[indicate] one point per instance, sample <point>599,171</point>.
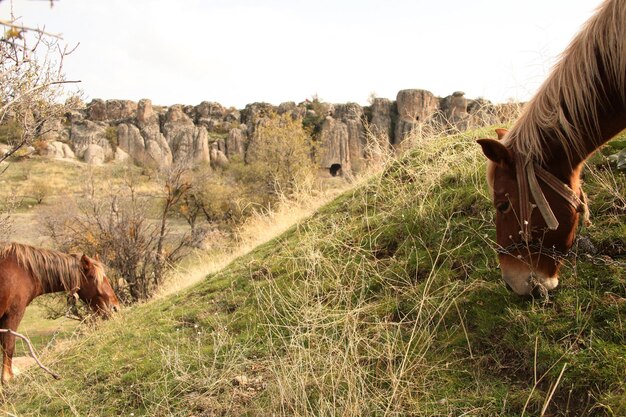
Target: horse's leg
<point>9,321</point>
<point>7,352</point>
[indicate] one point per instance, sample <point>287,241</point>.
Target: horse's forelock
<point>98,272</point>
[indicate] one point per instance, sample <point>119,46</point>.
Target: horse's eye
<point>503,207</point>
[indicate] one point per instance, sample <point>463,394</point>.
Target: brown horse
<point>27,272</point>
<point>537,164</point>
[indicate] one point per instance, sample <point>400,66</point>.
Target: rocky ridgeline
<point>210,133</point>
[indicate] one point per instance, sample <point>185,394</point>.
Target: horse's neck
<point>565,163</point>
<point>52,287</point>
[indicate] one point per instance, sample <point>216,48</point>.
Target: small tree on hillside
<point>213,198</point>
<point>280,155</point>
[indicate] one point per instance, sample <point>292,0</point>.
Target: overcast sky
<point>241,51</point>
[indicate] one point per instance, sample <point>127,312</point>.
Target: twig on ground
<point>32,351</point>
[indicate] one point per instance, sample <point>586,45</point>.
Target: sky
<point>236,52</point>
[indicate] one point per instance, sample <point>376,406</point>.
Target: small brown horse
<point>537,164</point>
<point>27,272</point>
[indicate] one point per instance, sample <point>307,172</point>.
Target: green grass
<point>41,331</point>
<point>386,302</point>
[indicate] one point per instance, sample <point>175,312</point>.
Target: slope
<point>386,302</point>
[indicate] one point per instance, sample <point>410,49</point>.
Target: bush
<point>40,190</point>
<point>280,155</point>
<point>112,137</point>
<point>123,228</point>
<point>11,133</point>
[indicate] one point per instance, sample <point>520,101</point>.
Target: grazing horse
<point>27,272</point>
<point>534,169</point>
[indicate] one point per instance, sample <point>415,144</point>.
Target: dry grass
<point>260,227</point>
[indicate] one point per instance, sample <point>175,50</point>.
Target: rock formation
<point>188,142</point>
<point>210,133</point>
<point>58,150</point>
<point>342,138</point>
<point>453,110</point>
<point>414,107</point>
<point>381,119</point>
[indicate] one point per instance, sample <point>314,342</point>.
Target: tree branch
<point>32,351</point>
<point>35,89</point>
<point>9,24</point>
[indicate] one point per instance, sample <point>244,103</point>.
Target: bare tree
<point>31,84</point>
<point>32,98</point>
<point>130,231</point>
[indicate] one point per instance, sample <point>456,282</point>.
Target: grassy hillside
<point>386,302</point>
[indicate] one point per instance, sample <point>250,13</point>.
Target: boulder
<point>94,154</point>
<point>90,133</point>
<point>146,145</point>
<point>211,116</point>
<point>158,152</point>
<point>54,130</point>
<point>351,114</point>
<point>120,155</point>
<point>295,111</point>
<point>232,117</point>
<point>209,110</point>
<point>416,105</point>
<point>254,114</point>
<point>218,159</point>
<point>75,116</point>
<point>120,109</point>
<point>255,111</point>
<point>58,150</point>
<point>131,142</point>
<point>187,142</point>
<point>235,142</point>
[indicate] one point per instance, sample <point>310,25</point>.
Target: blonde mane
<point>51,268</point>
<point>566,106</point>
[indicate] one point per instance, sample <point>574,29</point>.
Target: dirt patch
<point>22,363</point>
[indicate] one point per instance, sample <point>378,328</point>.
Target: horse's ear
<point>501,133</point>
<point>97,257</point>
<point>86,261</point>
<point>496,151</point>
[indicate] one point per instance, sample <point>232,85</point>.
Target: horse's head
<point>536,219</point>
<point>96,288</point>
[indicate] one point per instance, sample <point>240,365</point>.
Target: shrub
<point>112,137</point>
<point>280,155</point>
<point>40,190</point>
<point>123,228</point>
<point>11,133</point>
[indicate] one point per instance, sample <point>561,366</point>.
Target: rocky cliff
<point>210,133</point>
